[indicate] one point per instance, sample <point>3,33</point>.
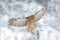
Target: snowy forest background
<point>48,27</point>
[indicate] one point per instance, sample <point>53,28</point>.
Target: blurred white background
<point>48,27</point>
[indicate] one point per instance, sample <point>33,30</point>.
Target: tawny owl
<point>29,22</point>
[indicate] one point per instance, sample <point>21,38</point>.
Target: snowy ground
<point>48,27</point>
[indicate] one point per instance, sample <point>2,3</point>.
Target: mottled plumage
<point>29,22</point>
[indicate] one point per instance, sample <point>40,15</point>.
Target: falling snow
<point>48,27</point>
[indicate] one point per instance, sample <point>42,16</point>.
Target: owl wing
<point>17,22</point>
<point>23,22</point>
<point>40,13</point>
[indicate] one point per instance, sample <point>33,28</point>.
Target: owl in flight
<point>29,22</point>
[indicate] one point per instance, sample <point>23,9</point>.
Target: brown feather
<point>30,21</point>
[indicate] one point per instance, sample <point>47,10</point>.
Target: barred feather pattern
<point>29,22</point>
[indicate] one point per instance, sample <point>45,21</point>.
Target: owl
<point>29,22</point>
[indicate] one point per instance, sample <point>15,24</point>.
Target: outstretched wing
<point>17,22</point>
<point>40,13</point>
<point>23,22</point>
